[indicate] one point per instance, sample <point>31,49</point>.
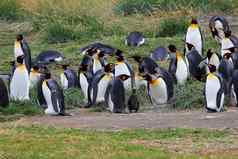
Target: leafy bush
<point>9,9</point>
<point>172,26</point>
<point>73,98</point>
<point>189,95</point>
<point>127,7</point>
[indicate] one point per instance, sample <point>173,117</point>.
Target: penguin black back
<point>4,99</point>
<point>133,102</point>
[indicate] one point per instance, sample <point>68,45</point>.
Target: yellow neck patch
<point>21,67</point>
<point>211,76</point>
<point>178,56</point>
<point>155,82</point>
<point>107,77</point>
<point>194,26</point>
<point>44,83</point>
<point>119,62</point>
<point>17,44</point>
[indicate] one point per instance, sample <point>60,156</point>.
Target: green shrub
<point>172,27</point>
<point>73,98</point>
<point>127,7</point>
<point>189,95</point>
<point>9,9</point>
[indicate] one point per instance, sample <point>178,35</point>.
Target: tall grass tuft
<point>9,10</point>
<point>128,7</point>
<point>172,27</point>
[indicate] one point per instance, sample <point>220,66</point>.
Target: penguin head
<point>123,77</point>
<point>212,68</point>
<point>64,66</point>
<point>119,56</point>
<point>83,68</point>
<point>209,53</point>
<point>47,75</point>
<point>194,23</point>
<point>19,37</point>
<point>227,56</point>
<point>137,58</point>
<point>227,34</point>
<point>20,59</point>
<point>190,46</point>
<point>35,68</point>
<point>109,67</point>
<point>100,54</point>
<point>231,49</point>
<point>147,77</point>
<point>172,48</point>
<point>91,51</point>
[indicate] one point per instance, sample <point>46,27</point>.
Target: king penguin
<point>68,78</point>
<point>194,37</point>
<point>21,47</point>
<point>99,84</point>
<point>4,99</point>
<point>178,66</point>
<point>123,67</point>
<point>53,96</point>
<point>85,78</point>
<point>235,86</point>
<point>20,82</point>
<point>34,76</point>
<point>226,43</point>
<point>214,91</point>
<point>219,26</point>
<point>115,94</point>
<point>157,89</point>
<point>98,61</point>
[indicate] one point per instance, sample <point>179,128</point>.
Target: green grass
<point>45,142</point>
<point>9,10</point>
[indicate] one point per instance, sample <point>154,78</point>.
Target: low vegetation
<point>27,142</point>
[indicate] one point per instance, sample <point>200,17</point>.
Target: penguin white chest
<point>64,81</point>
<point>194,37</point>
<point>20,84</point>
<point>96,65</point>
<point>181,71</point>
<point>18,50</point>
<point>120,69</point>
<point>47,95</point>
<point>212,87</point>
<point>84,85</point>
<point>34,78</point>
<point>158,91</point>
<point>102,86</point>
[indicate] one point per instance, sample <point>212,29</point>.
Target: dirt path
<point>106,121</point>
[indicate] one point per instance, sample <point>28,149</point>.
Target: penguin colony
<point>104,82</point>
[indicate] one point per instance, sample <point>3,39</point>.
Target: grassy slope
<point>38,142</point>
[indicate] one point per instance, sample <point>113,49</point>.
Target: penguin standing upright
<point>157,89</point>
<point>115,94</point>
<point>235,85</point>
<point>85,78</point>
<point>34,76</point>
<point>214,91</point>
<point>98,61</point>
<point>4,99</point>
<point>123,67</point>
<point>178,66</point>
<point>225,70</point>
<point>194,37</point>
<point>218,26</point>
<point>99,83</point>
<point>227,43</point>
<point>68,78</point>
<point>20,82</point>
<point>21,47</point>
<point>53,95</point>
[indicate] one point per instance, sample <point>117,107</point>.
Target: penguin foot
<point>65,114</point>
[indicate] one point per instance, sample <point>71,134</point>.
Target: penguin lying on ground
<point>219,26</point>
<point>159,54</point>
<point>4,99</point>
<point>115,94</point>
<point>20,82</point>
<point>214,91</point>
<point>177,66</point>
<point>135,39</point>
<point>99,83</point>
<point>53,95</point>
<point>49,56</point>
<point>68,78</point>
<point>194,37</point>
<point>22,48</point>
